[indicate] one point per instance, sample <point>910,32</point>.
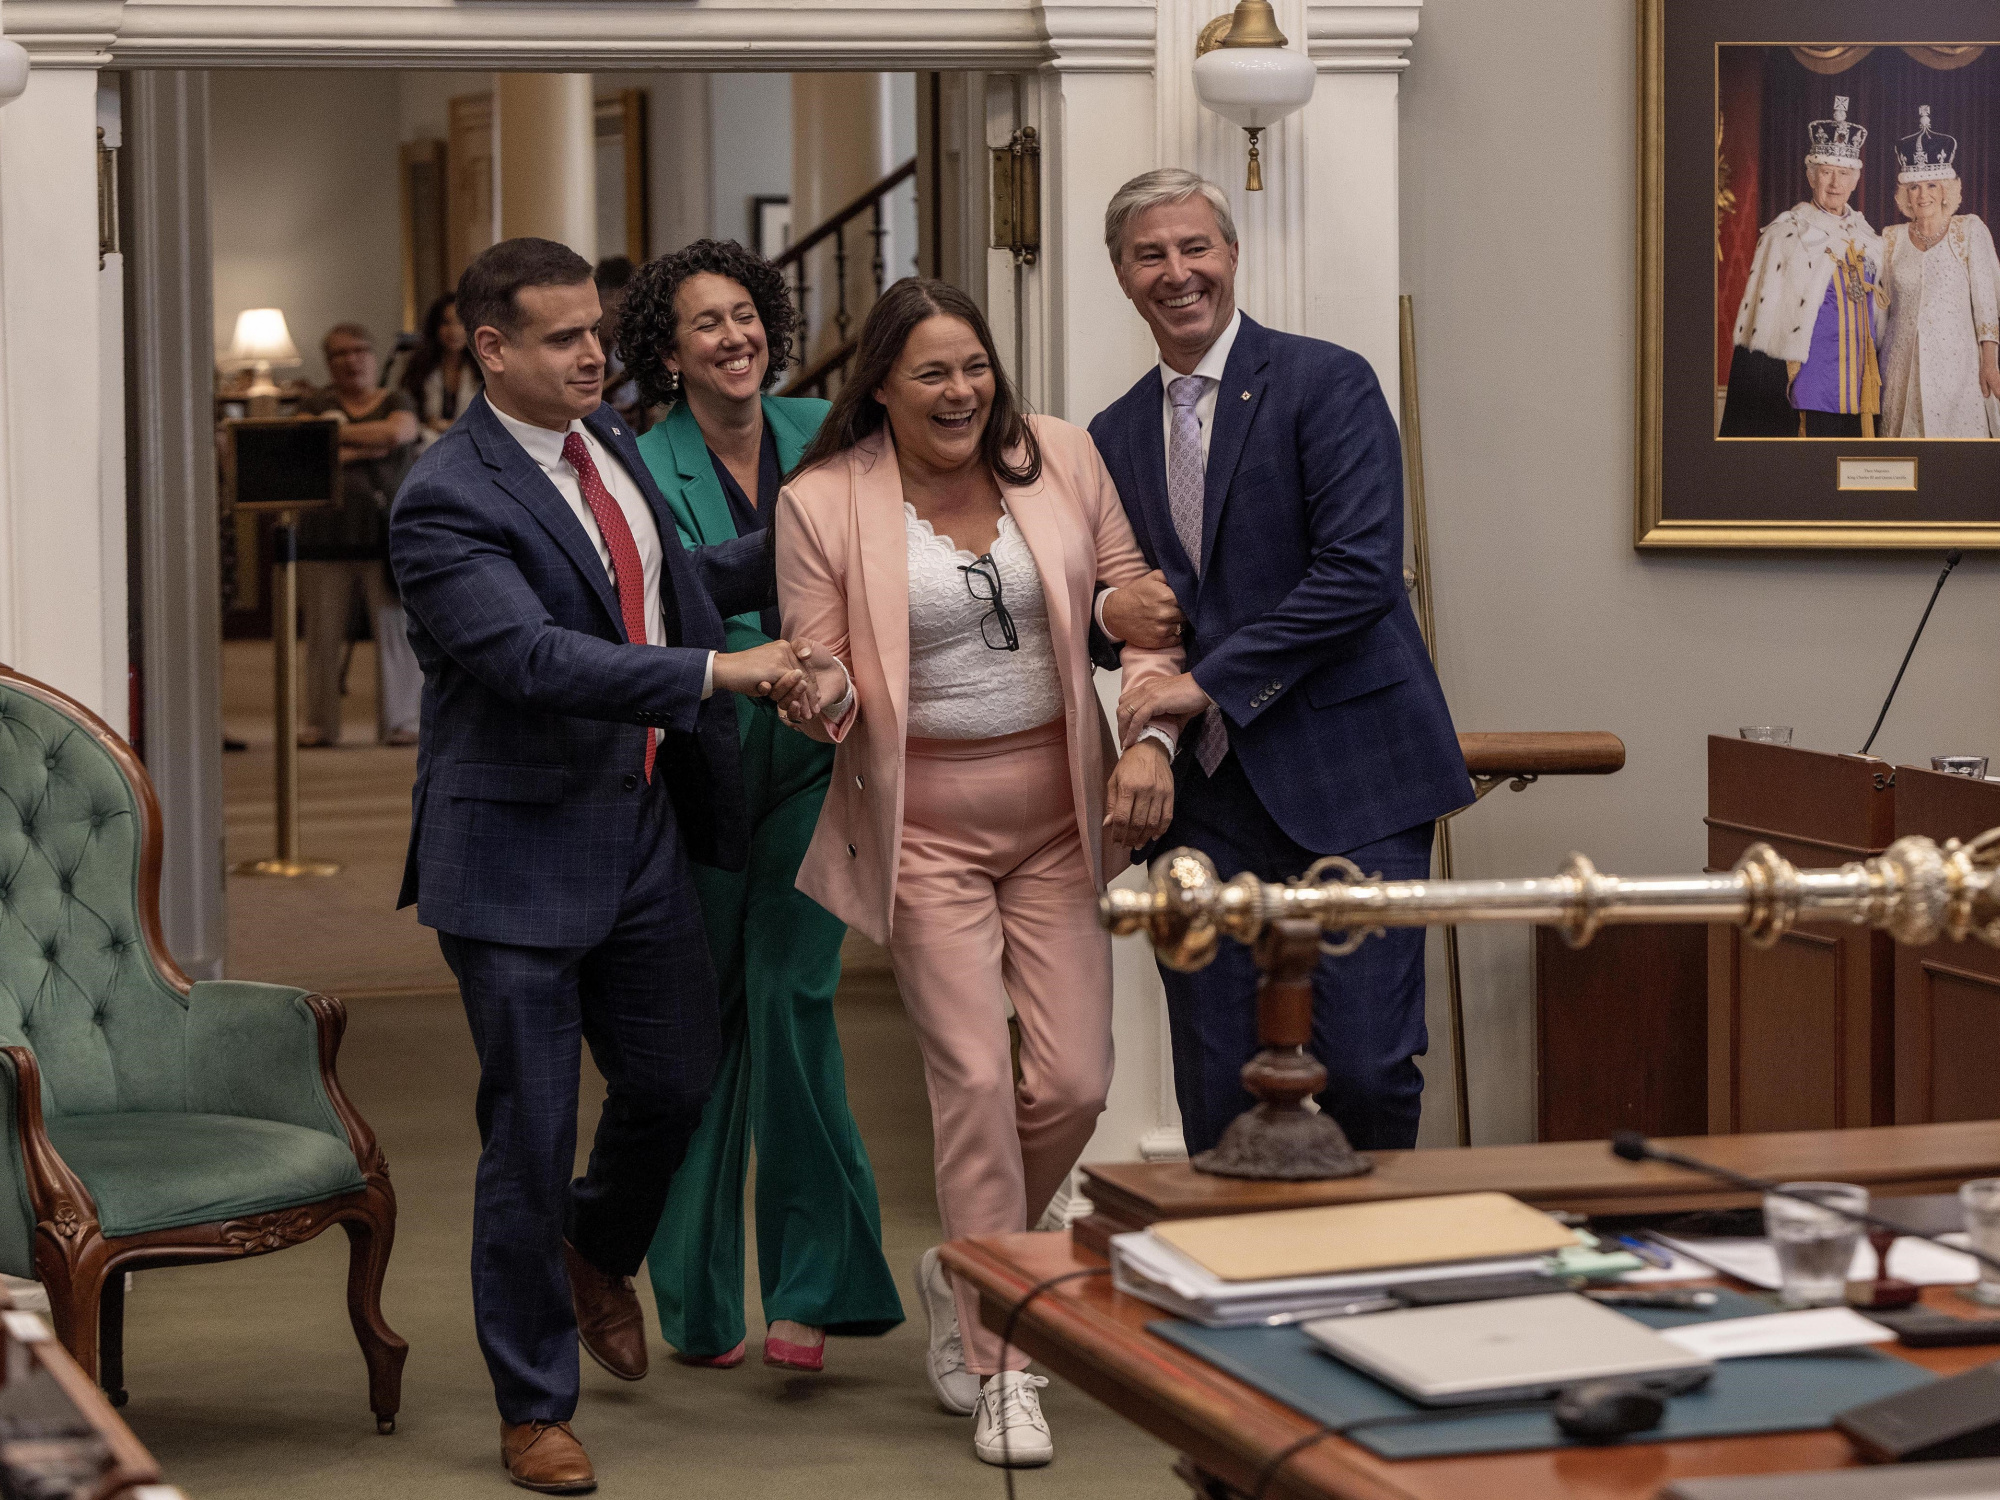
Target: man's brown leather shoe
<point>546,1456</point>
<point>608,1320</point>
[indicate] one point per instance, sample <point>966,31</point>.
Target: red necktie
<point>626,573</point>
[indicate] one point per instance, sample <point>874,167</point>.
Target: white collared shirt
<point>544,446</point>
<point>1210,370</point>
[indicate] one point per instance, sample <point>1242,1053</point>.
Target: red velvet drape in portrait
<point>1740,100</point>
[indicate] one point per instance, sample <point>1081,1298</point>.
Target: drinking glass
<point>1815,1248</point>
<point>1981,1202</point>
<point>1960,765</point>
<point>1766,734</point>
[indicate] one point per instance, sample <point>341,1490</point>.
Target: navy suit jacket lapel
<point>1236,403</point>
<point>520,476</point>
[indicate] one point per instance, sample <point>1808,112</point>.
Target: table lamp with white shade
<point>262,343</point>
<point>1245,72</point>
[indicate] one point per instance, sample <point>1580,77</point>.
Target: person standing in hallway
<point>577,751</point>
<point>343,548</point>
<point>1262,475</point>
<point>705,332</point>
<point>442,376</point>
<point>943,546</point>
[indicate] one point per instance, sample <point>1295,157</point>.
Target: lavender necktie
<point>1186,478</point>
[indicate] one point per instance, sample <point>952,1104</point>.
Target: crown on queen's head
<point>1836,142</point>
<point>1927,156</point>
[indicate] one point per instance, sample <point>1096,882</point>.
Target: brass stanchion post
<point>285,657</point>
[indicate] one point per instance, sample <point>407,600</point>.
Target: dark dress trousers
<point>555,874</point>
<point>1340,741</point>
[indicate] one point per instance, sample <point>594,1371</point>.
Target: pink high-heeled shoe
<point>728,1361</point>
<point>784,1355</point>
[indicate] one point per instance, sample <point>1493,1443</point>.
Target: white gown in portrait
<point>1941,303</point>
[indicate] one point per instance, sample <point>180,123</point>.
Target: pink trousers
<point>995,902</point>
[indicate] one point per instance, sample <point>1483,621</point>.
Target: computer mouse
<point>1599,1411</point>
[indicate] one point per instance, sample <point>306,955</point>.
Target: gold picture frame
<point>1685,493</point>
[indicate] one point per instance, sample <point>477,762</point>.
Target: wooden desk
<point>1948,994</point>
<point>1097,1340</point>
<point>1582,1176</point>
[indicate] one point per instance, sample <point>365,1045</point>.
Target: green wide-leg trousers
<point>780,1086</point>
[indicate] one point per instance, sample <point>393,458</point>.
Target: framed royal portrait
<point>1819,289</point>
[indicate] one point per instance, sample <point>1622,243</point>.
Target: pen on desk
<point>1652,1254</point>
<point>1691,1301</point>
<point>1332,1310</point>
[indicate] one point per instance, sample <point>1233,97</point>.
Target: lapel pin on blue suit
<point>1246,395</point>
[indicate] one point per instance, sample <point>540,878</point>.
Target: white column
<point>62,522</point>
<point>176,523</point>
<point>545,125</point>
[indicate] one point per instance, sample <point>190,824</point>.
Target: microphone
<point>1951,560</point>
<point>1633,1146</point>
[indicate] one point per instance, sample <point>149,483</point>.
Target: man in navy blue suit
<point>577,748</point>
<point>1263,478</point>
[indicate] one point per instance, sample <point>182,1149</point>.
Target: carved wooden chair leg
<point>369,1242</point>
<point>111,1338</point>
<point>75,1284</point>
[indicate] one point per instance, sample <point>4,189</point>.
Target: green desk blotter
<point>1781,1393</point>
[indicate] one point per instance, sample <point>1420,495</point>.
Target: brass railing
<point>815,375</point>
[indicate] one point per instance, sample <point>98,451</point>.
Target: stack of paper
<point>1280,1267</point>
<point>1756,1260</point>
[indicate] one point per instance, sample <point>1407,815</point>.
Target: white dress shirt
<point>544,446</point>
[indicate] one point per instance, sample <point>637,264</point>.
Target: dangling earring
<point>673,385</point>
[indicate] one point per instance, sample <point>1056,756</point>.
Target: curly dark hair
<point>646,325</point>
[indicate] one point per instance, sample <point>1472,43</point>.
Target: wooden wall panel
<point>1947,995</point>
<point>1620,1033</point>
<point>1800,1035</point>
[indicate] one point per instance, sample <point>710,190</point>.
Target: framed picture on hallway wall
<point>1819,287</point>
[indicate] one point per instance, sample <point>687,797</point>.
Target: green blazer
<point>677,454</point>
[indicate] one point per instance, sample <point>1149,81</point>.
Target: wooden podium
<point>1947,996</point>
<point>1800,1035</point>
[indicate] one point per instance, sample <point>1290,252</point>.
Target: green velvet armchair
<point>151,1120</point>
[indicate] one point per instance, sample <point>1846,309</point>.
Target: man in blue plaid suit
<point>578,745</point>
<point>1262,476</point>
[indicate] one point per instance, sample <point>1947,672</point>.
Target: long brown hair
<point>856,413</point>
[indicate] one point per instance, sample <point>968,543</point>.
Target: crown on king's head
<point>1836,142</point>
<point>1927,156</point>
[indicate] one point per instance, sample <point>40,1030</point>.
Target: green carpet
<point>246,1381</point>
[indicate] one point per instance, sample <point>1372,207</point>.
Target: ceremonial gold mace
<point>1914,890</point>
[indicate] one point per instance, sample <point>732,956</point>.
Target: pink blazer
<point>844,584</point>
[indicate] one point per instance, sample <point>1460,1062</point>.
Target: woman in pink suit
<point>946,548</point>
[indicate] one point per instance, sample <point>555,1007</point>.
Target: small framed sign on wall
<point>1819,289</point>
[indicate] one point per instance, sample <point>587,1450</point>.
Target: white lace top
<point>960,688</point>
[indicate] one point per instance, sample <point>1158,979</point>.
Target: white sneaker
<point>1010,1429</point>
<point>956,1388</point>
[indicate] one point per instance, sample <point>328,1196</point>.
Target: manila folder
<point>1365,1236</point>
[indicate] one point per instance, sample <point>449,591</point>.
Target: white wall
<point>1547,616</point>
<point>303,203</point>
<point>750,146</point>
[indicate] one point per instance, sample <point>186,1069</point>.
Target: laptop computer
<point>1520,1349</point>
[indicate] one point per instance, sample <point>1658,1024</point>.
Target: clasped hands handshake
<point>799,677</point>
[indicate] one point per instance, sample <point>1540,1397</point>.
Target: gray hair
<point>1163,185</point>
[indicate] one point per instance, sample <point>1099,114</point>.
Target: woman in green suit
<point>705,331</point>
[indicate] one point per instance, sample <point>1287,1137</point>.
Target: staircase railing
<point>815,376</point>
